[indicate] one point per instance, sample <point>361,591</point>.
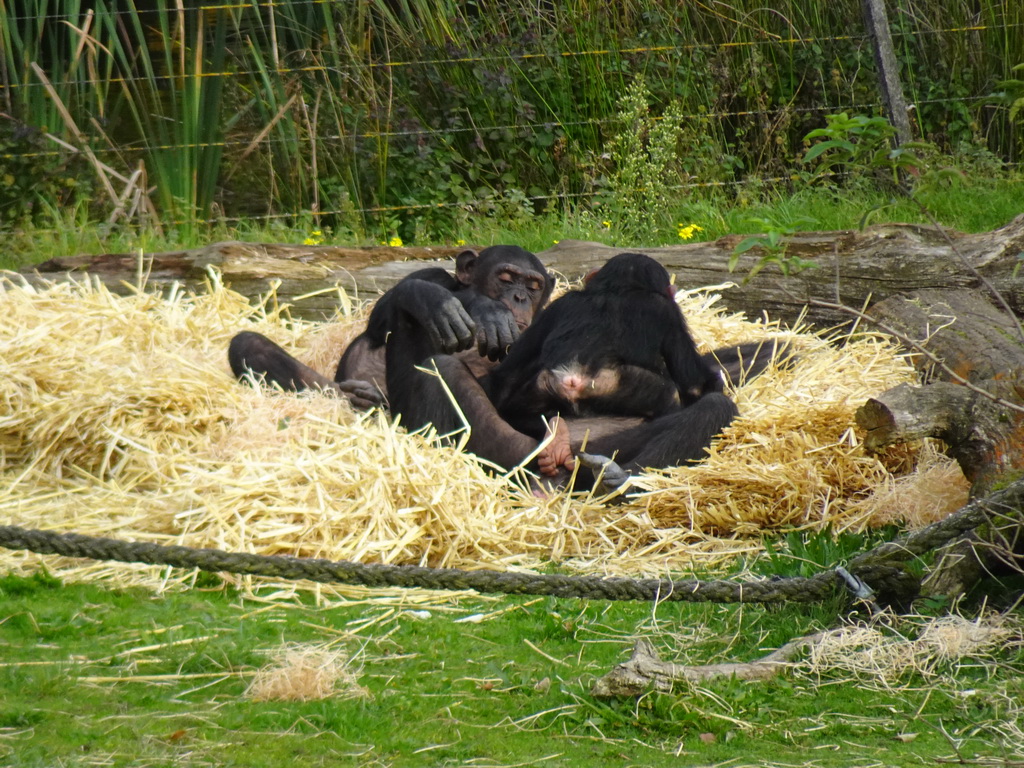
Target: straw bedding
<point>120,417</point>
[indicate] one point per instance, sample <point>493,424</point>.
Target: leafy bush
<point>36,174</point>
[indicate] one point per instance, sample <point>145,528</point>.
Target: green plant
<point>772,244</point>
<point>860,145</point>
<point>644,163</point>
<point>36,175</point>
<point>1011,97</point>
<point>434,110</point>
<point>172,100</point>
<point>848,142</point>
<point>1012,94</point>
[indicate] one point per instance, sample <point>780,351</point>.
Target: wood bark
<point>976,342</point>
<point>967,329</point>
<point>646,670</point>
<point>974,403</point>
<point>984,436</point>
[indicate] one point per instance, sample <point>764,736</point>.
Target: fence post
<point>877,22</point>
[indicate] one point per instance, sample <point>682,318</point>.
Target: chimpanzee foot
<point>611,477</point>
<point>361,394</point>
<point>556,456</point>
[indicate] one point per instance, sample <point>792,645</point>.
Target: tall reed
<point>414,115</point>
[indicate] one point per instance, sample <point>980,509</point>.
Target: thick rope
<point>275,566</point>
<point>881,568</point>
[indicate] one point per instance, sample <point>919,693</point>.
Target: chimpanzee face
<point>521,290</point>
<point>508,274</point>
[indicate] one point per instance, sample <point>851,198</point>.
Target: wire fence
<point>271,139</point>
<point>516,56</point>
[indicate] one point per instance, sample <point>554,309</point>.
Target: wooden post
<point>877,22</point>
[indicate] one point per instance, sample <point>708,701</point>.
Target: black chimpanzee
<point>491,298</point>
<point>624,331</point>
<point>619,346</point>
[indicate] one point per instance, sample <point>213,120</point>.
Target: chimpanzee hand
<point>362,394</point>
<point>496,327</point>
<point>448,325</point>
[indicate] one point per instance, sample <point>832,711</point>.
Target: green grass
<point>509,690</point>
<point>976,204</point>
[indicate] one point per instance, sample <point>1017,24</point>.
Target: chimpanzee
<point>619,346</point>
<point>491,298</point>
<point>425,316</point>
<point>625,331</point>
<point>504,284</point>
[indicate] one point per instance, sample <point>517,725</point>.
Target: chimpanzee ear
<point>590,275</point>
<point>464,263</point>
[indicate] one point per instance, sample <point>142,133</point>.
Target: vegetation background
<point>423,119</point>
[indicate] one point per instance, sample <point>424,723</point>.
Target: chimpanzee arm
<point>429,299</point>
<point>380,321</point>
<point>692,374</point>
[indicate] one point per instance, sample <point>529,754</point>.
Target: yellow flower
<point>395,242</point>
<point>687,232</point>
<point>460,241</point>
<point>606,224</point>
<point>316,237</point>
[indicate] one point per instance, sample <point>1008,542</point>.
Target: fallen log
<point>878,262</point>
<point>970,352</point>
<point>851,267</point>
<point>984,434</point>
<point>253,269</point>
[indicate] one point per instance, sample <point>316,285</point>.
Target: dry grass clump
<point>933,491</point>
<point>306,673</point>
<point>793,458</point>
<point>885,658</point>
<point>120,418</point>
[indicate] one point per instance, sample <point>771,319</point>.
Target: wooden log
<point>852,268</point>
<point>975,342</point>
<point>877,263</point>
<point>974,403</point>
<point>984,437</point>
<point>976,338</point>
<point>253,269</point>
